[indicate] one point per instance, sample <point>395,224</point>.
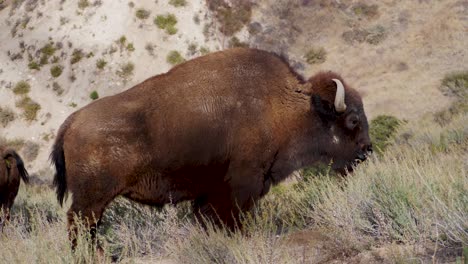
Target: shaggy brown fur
<point>11,170</point>
<point>217,130</point>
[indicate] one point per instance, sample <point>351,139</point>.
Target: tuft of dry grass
<point>29,107</point>
<point>174,58</point>
<point>316,56</point>
<point>6,116</point>
<point>142,13</point>
<point>21,88</point>
<point>126,70</point>
<point>167,22</point>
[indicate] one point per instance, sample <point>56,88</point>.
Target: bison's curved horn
<point>340,105</point>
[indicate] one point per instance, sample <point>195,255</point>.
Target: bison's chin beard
<point>345,168</point>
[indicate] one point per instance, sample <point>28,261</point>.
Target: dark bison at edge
<point>217,130</point>
<point>11,170</point>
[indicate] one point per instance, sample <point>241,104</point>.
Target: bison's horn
<point>340,105</point>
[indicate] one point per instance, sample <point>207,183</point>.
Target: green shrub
<point>231,18</point>
<point>316,56</point>
<point>204,50</point>
<point>29,107</point>
<point>382,130</point>
<point>126,70</point>
<point>177,3</point>
<point>22,87</point>
<point>33,65</point>
<point>56,71</point>
<point>130,47</point>
<point>101,63</point>
<point>48,49</point>
<point>234,42</point>
<point>166,22</point>
<point>82,4</point>
<point>142,13</point>
<point>455,85</point>
<point>6,116</point>
<point>363,9</point>
<point>94,95</point>
<point>77,55</point>
<point>57,88</point>
<point>174,58</point>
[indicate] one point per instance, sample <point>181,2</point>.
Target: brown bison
<point>218,130</point>
<point>11,170</point>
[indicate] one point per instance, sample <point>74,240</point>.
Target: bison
<point>11,170</point>
<point>218,130</point>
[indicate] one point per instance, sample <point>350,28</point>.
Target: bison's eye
<point>352,121</point>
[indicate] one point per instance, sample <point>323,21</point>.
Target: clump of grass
<point>192,49</point>
<point>316,56</point>
<point>77,55</point>
<point>48,49</point>
<point>382,131</point>
<point>33,65</point>
<point>101,63</point>
<point>374,35</point>
<point>166,22</point>
<point>56,71</point>
<point>178,3</point>
<point>231,18</point>
<point>454,85</point>
<point>204,50</point>
<point>234,42</point>
<point>150,48</point>
<point>142,13</point>
<point>22,87</point>
<point>6,116</point>
<point>57,88</point>
<point>174,58</point>
<point>30,108</point>
<point>126,70</point>
<point>94,95</point>
<point>30,151</point>
<point>82,4</point>
<point>365,10</point>
<point>130,47</point>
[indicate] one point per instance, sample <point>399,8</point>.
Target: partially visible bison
<point>218,130</point>
<point>11,170</point>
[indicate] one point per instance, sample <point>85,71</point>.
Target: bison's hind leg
<point>85,215</point>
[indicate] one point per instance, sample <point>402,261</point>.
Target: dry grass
<point>29,107</point>
<point>6,116</point>
<point>415,193</point>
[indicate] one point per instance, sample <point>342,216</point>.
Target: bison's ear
<point>324,109</point>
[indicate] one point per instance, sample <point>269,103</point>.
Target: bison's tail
<point>57,157</point>
<point>19,164</point>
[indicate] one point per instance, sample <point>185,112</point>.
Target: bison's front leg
<point>225,205</point>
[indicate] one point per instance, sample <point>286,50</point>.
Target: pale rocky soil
<point>420,42</point>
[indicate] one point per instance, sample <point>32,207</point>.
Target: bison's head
<point>345,138</point>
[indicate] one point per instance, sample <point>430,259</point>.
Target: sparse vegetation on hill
<point>142,13</point>
<point>178,3</point>
<point>316,56</point>
<point>94,95</point>
<point>22,87</point>
<point>6,116</point>
<point>29,107</point>
<point>166,22</point>
<point>174,58</point>
<point>56,71</point>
